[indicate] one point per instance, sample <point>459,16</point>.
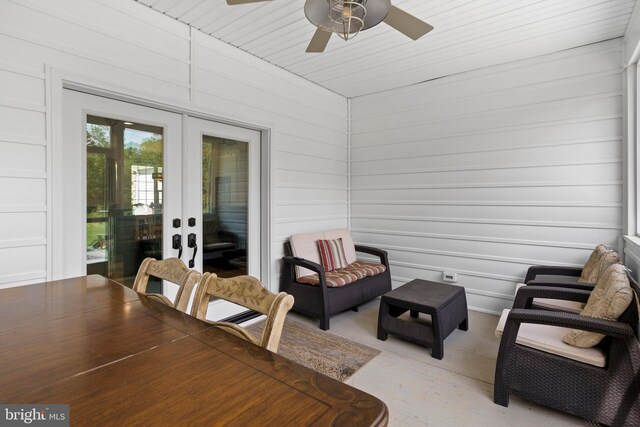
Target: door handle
<point>191,242</point>
<point>176,243</point>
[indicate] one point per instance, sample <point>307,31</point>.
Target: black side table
<point>447,305</point>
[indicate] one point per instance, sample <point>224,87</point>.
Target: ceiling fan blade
<point>235,2</point>
<point>406,23</point>
<point>319,41</point>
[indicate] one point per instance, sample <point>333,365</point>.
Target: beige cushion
<point>549,338</point>
<point>590,269</point>
<point>555,304</point>
<point>606,259</point>
<point>609,299</point>
<point>559,279</point>
<point>304,246</point>
<point>559,305</point>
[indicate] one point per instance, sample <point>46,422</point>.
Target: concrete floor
<point>422,391</point>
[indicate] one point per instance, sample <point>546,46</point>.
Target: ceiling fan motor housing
<point>346,17</point>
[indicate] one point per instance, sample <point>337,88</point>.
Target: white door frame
<point>58,79</point>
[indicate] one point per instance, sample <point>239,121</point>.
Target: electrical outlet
<point>448,276</point>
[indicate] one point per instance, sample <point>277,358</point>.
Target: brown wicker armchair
<point>608,395</point>
<point>547,275</point>
<point>569,277</point>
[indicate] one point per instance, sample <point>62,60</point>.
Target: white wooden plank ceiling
<point>468,34</point>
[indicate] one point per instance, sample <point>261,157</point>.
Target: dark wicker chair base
<point>321,302</point>
<point>609,395</point>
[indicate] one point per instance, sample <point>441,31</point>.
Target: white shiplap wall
<point>124,44</point>
<point>488,172</point>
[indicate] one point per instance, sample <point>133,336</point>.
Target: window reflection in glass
<point>124,196</point>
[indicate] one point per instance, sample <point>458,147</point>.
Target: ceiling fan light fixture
<point>346,17</point>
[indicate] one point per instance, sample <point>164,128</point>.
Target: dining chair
<point>248,292</point>
<point>172,270</point>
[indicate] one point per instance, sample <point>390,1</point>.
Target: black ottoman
<point>447,305</point>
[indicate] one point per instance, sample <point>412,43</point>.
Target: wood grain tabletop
<point>120,358</point>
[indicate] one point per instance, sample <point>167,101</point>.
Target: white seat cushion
<point>555,304</point>
<point>557,278</point>
<point>558,305</point>
<point>549,338</point>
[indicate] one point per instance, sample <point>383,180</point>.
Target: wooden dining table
<point>120,358</point>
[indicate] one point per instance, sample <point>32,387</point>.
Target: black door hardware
<point>176,243</point>
<point>191,242</point>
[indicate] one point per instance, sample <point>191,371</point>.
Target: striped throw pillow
<point>332,254</point>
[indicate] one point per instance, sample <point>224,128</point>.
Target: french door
<point>222,185</point>
<point>141,182</point>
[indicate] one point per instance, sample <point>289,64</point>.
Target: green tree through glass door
<point>124,196</point>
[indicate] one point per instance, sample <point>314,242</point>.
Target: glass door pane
<point>222,188</point>
<point>124,197</point>
<point>225,200</point>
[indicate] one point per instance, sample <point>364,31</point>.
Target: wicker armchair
<point>569,277</point>
<point>608,395</point>
<point>549,275</point>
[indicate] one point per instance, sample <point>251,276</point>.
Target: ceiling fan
<point>347,18</point>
